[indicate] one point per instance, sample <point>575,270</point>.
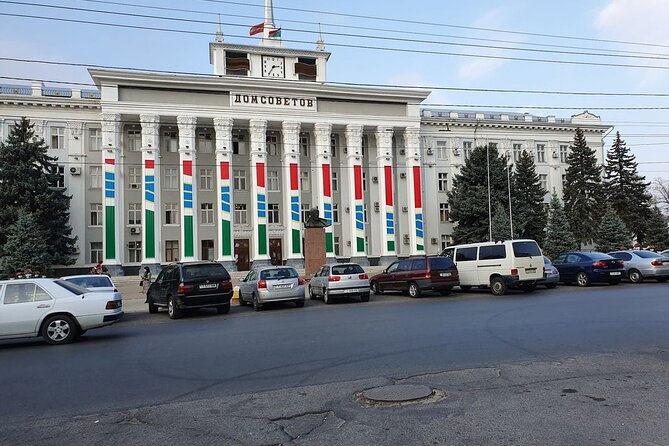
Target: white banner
<point>272,101</point>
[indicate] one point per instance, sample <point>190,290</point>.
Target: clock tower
<point>268,60</point>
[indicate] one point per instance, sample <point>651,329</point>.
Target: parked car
<point>665,253</point>
<point>182,286</point>
<point>418,274</point>
<point>57,310</point>
<point>92,282</point>
<point>551,274</point>
<point>585,268</point>
<point>641,264</point>
<point>499,265</point>
<point>271,284</point>
<point>341,280</point>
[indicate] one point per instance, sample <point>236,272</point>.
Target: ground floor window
<point>96,252</point>
<point>207,251</point>
<point>273,213</point>
<point>240,214</point>
<point>171,250</point>
<point>134,252</point>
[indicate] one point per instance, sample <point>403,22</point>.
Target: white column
<point>384,162</point>
<point>290,191</point>
<point>258,149</point>
<point>355,199</point>
<point>322,132</point>
<point>414,191</point>
<point>112,238</point>
<point>223,127</point>
<point>151,231</point>
<point>188,202</point>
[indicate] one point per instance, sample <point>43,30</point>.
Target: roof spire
<point>320,44</point>
<point>270,37</point>
<point>219,31</point>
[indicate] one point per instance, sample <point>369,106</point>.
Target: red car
<point>418,274</point>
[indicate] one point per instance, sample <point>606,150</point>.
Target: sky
<point>432,40</point>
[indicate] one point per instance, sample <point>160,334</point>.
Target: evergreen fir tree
<point>468,200</point>
<point>625,189</point>
<point>26,247</point>
<point>657,230</point>
<point>611,233</point>
<point>501,225</point>
<point>583,194</point>
<point>559,237</point>
<point>27,174</point>
<point>529,216</point>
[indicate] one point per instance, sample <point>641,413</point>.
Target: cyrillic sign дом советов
<point>272,101</point>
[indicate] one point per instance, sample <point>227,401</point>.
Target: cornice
<point>31,101</point>
<point>252,49</point>
<point>520,125</point>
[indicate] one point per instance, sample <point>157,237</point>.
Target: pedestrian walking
<point>98,268</point>
<point>145,282</point>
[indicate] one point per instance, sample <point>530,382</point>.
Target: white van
<point>499,265</point>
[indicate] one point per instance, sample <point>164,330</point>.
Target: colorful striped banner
<point>296,239</point>
<point>359,210</point>
<point>261,195</point>
<point>188,230</point>
<point>418,202</point>
<point>389,210</point>
<point>327,207</point>
<point>226,209</point>
<point>149,209</point>
<point>110,209</point>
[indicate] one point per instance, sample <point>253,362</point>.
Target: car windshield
<point>647,254</point>
<point>278,273</point>
<point>91,282</point>
<point>599,256</point>
<point>526,249</point>
<point>209,271</point>
<point>71,287</point>
<point>437,263</point>
<point>341,270</point>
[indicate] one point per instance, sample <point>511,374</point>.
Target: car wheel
<point>582,279</point>
<point>312,296</point>
<point>445,292</point>
<point>414,291</point>
<point>376,289</point>
<point>299,303</point>
<point>223,309</point>
<point>326,297</point>
<point>257,306</point>
<point>635,276</point>
<point>242,302</point>
<point>497,286</point>
<point>551,285</point>
<point>172,311</point>
<point>59,329</point>
<point>364,297</point>
<point>465,287</point>
<point>661,279</point>
<point>153,308</point>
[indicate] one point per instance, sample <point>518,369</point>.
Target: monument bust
<point>314,221</point>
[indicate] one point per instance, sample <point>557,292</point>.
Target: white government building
<point>165,167</point>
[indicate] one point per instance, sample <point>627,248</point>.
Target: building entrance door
<point>242,254</point>
<point>275,251</point>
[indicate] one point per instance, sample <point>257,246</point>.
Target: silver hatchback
<point>641,264</point>
<point>340,280</point>
<point>271,284</point>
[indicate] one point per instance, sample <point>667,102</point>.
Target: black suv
<point>191,285</point>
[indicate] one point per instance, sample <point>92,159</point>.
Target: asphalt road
<point>149,359</point>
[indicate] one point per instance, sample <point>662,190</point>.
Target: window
<point>133,140</point>
<point>135,252</point>
<point>304,180</point>
<point>20,293</point>
<point>96,214</point>
<point>493,145</point>
<point>364,214</point>
<point>207,213</point>
<point>204,142</point>
<point>419,265</point>
<point>171,141</point>
<point>304,146</point>
<point>442,182</point>
<point>517,152</point>
<point>335,212</point>
<point>171,250</point>
<point>135,177</point>
<point>564,153</point>
<point>465,254</point>
<point>135,213</point>
<point>207,179</point>
<point>239,180</point>
<point>95,177</point>
<point>526,249</point>
<point>364,181</point>
<point>273,180</point>
<point>273,213</point>
<point>443,212</point>
<point>207,251</point>
<point>171,213</point>
<point>467,149</point>
<point>238,144</point>
<point>564,180</point>
<point>541,153</point>
<point>95,139</point>
<point>96,252</point>
<point>304,207</point>
<point>492,252</point>
<point>57,137</point>
<point>363,145</point>
<point>335,181</point>
<point>171,180</point>
<point>59,177</point>
<point>272,145</point>
<point>240,214</point>
<point>333,145</point>
<point>442,150</point>
<point>543,181</point>
<point>444,241</point>
<point>336,246</point>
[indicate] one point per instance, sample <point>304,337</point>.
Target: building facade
<point>165,168</point>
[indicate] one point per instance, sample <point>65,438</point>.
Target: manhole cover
<point>397,393</point>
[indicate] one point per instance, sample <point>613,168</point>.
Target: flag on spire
<point>275,33</point>
<point>257,29</point>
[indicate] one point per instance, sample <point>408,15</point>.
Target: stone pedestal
<point>314,250</point>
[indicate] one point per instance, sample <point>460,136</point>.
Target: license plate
<point>351,291</point>
<point>209,286</point>
<point>530,270</point>
<point>444,274</point>
<point>616,273</point>
<point>282,286</point>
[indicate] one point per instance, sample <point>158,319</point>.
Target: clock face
<point>273,66</point>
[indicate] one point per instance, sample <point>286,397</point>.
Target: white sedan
<point>57,310</point>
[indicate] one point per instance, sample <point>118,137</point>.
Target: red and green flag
<point>257,29</point>
<point>275,32</point>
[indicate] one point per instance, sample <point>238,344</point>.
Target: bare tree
<point>661,193</point>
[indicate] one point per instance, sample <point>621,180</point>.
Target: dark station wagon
<point>418,274</point>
